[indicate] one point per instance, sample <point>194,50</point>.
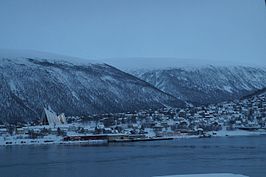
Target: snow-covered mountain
<point>156,63</point>
<point>206,84</point>
<point>256,93</point>
<point>29,81</point>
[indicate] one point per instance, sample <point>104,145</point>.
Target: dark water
<point>244,155</point>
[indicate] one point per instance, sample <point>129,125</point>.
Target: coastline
<point>207,175</point>
<point>52,139</point>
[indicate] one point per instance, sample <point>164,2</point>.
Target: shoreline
<point>56,140</point>
<point>207,175</point>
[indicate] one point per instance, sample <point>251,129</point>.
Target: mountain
<point>30,81</point>
<point>206,84</point>
<point>162,63</point>
<point>255,93</point>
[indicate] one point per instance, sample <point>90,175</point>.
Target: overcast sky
<point>229,30</point>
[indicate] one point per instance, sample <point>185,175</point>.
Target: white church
<point>50,117</point>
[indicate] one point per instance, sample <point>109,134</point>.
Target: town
<point>239,117</point>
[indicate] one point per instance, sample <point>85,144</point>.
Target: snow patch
<point>108,78</point>
<point>228,89</point>
<point>13,86</point>
<point>74,94</point>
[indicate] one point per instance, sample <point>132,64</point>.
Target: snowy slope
<point>206,84</point>
<point>30,81</point>
<point>259,92</point>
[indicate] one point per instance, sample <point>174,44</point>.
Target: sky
<point>211,30</point>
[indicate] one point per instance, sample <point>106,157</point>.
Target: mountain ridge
<point>153,63</point>
<point>27,85</point>
<point>208,84</point>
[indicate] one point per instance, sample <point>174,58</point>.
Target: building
<point>49,117</point>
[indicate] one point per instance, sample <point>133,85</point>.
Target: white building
<point>52,119</point>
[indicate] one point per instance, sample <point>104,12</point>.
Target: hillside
<point>206,84</point>
<point>28,84</point>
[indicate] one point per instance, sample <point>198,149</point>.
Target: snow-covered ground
<point>50,139</point>
<point>239,133</point>
<point>223,133</point>
<point>207,175</point>
<point>24,140</point>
